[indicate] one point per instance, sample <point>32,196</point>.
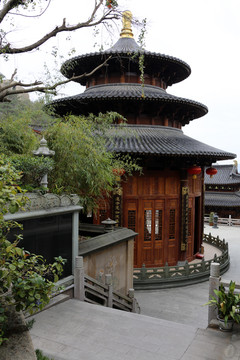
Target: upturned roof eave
<point>162,141</point>
<point>83,61</point>
<point>190,154</point>
<point>107,93</point>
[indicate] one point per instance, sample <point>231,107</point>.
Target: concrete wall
<point>115,259</point>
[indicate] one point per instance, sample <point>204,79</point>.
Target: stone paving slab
<point>76,330</point>
<point>79,331</point>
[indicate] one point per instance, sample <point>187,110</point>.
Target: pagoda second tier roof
<point>162,141</point>
<point>111,93</point>
<point>172,69</point>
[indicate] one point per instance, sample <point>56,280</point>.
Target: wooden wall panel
<point>130,220</point>
<point>172,185</point>
<point>130,186</point>
<point>172,231</point>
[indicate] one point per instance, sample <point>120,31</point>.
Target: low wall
<point>110,253</point>
<point>185,274</point>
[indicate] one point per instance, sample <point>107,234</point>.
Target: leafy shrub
<point>32,168</point>
<point>24,277</point>
<point>40,355</point>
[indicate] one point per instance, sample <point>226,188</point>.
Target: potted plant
<point>211,215</point>
<point>228,305</point>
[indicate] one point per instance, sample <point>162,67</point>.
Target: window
<point>158,224</point>
<point>132,219</point>
<point>147,225</point>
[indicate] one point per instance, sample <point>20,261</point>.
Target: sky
<point>205,34</point>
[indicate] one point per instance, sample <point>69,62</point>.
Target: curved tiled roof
<point>127,48</point>
<point>113,92</point>
<point>225,199</point>
<point>161,141</point>
<point>226,175</point>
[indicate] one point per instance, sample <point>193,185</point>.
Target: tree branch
<point>11,4</point>
<point>109,15</point>
<point>11,87</point>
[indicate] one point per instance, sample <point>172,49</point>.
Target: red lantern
<point>118,172</point>
<point>211,171</point>
<point>194,171</point>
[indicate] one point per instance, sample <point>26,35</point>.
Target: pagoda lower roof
<point>223,199</point>
<point>162,141</point>
<point>128,92</point>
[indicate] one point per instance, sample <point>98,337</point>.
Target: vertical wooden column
<point>183,215</point>
<point>202,207</point>
<point>117,203</point>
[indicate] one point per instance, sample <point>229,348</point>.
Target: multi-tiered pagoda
<point>164,205</point>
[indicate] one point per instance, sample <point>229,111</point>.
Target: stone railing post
<point>214,282</point>
<point>134,301</point>
<point>79,290</point>
<point>166,271</point>
<point>143,272</point>
<point>108,282</point>
<point>229,220</point>
<point>186,266</point>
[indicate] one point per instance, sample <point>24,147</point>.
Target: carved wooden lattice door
<point>158,233</point>
<point>152,232</point>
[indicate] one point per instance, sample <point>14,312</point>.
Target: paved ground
<point>184,305</point>
<point>175,330</point>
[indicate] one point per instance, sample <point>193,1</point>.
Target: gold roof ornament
<point>127,25</point>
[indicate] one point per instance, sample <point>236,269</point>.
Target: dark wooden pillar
<point>184,192</point>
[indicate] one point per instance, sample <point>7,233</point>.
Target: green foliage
<point>40,355</point>
<point>82,163</point>
<point>16,121</point>
<point>32,168</point>
<point>16,135</point>
<point>26,280</point>
<point>227,303</point>
<point>8,190</point>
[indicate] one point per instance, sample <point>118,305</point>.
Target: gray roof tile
<point>226,199</point>
<point>130,92</point>
<point>126,48</point>
<point>226,175</point>
<point>161,141</point>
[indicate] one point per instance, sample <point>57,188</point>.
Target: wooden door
<point>152,233</point>
<point>156,223</point>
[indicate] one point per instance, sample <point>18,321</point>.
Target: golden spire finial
<point>127,25</point>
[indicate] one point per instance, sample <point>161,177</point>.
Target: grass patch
<point>40,355</point>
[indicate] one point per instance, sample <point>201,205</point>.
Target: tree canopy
<point>103,11</point>
<point>81,163</point>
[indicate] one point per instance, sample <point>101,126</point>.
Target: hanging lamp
<point>194,171</point>
<point>211,171</point>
